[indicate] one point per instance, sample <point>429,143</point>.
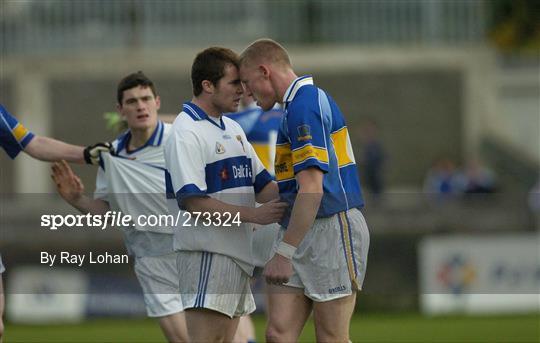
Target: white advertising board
<point>480,274</point>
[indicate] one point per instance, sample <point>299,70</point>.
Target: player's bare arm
<point>268,213</point>
<point>269,192</point>
<point>71,189</point>
<point>49,149</point>
<point>279,269</point>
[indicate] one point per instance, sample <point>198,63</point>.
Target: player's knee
<point>331,336</point>
<point>274,334</point>
<point>177,338</point>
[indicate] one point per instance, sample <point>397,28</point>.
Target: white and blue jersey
<point>134,182</point>
<point>206,156</point>
<point>14,137</point>
<point>261,130</point>
<point>313,134</point>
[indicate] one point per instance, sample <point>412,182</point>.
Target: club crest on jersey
<point>224,174</point>
<point>304,133</point>
<point>220,149</point>
<point>239,138</point>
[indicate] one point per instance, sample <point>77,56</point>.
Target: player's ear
<point>207,86</point>
<point>264,70</point>
<point>158,102</point>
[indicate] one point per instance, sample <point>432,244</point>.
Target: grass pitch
<point>364,328</point>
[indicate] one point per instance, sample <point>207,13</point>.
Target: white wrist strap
<point>286,250</point>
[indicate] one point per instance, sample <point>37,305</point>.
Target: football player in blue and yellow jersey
<point>321,252</point>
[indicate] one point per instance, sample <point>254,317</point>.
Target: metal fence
<point>55,26</point>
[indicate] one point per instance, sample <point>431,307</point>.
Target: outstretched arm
<point>268,213</point>
<point>49,149</point>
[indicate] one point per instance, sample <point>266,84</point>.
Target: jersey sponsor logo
<point>226,137</point>
<point>220,149</point>
<point>284,162</point>
<point>282,168</point>
<point>304,133</point>
<point>239,138</point>
<point>242,171</point>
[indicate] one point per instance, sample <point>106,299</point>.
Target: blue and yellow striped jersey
<point>261,130</point>
<point>313,133</point>
<point>14,137</point>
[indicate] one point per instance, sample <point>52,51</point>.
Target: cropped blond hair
<point>265,50</point>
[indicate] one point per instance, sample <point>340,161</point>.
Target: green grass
<point>364,328</point>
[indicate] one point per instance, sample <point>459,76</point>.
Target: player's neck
<point>140,137</point>
<point>283,82</point>
<point>207,107</point>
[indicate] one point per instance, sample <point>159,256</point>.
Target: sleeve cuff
<point>188,191</point>
<point>261,180</point>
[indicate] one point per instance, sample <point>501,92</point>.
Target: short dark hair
<point>131,81</point>
<point>210,64</point>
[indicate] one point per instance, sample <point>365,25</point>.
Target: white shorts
<point>262,243</point>
<point>331,260</point>
<point>215,282</point>
<point>159,279</point>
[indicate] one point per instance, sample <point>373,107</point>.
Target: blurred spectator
<point>476,178</point>
<point>534,198</point>
<point>442,177</point>
<point>373,158</point>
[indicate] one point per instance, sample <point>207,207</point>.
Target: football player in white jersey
<point>140,154</point>
<point>215,170</point>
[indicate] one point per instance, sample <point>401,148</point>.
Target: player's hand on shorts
<point>69,185</point>
<point>270,212</point>
<point>278,270</point>
<point>92,152</point>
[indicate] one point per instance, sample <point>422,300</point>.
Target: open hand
<point>68,185</point>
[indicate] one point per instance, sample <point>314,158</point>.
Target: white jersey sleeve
<point>102,186</point>
<point>185,164</point>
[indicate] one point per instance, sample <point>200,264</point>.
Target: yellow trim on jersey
<point>284,166</point>
<point>263,152</point>
<point>347,247</point>
<point>342,146</point>
<point>309,151</point>
<point>19,132</point>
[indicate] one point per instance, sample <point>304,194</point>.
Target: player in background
<point>140,162</point>
<point>321,253</point>
<point>214,169</point>
<point>14,138</point>
<point>261,128</point>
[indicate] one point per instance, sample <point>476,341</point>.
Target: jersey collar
<point>154,140</point>
<point>295,86</point>
<point>196,113</point>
